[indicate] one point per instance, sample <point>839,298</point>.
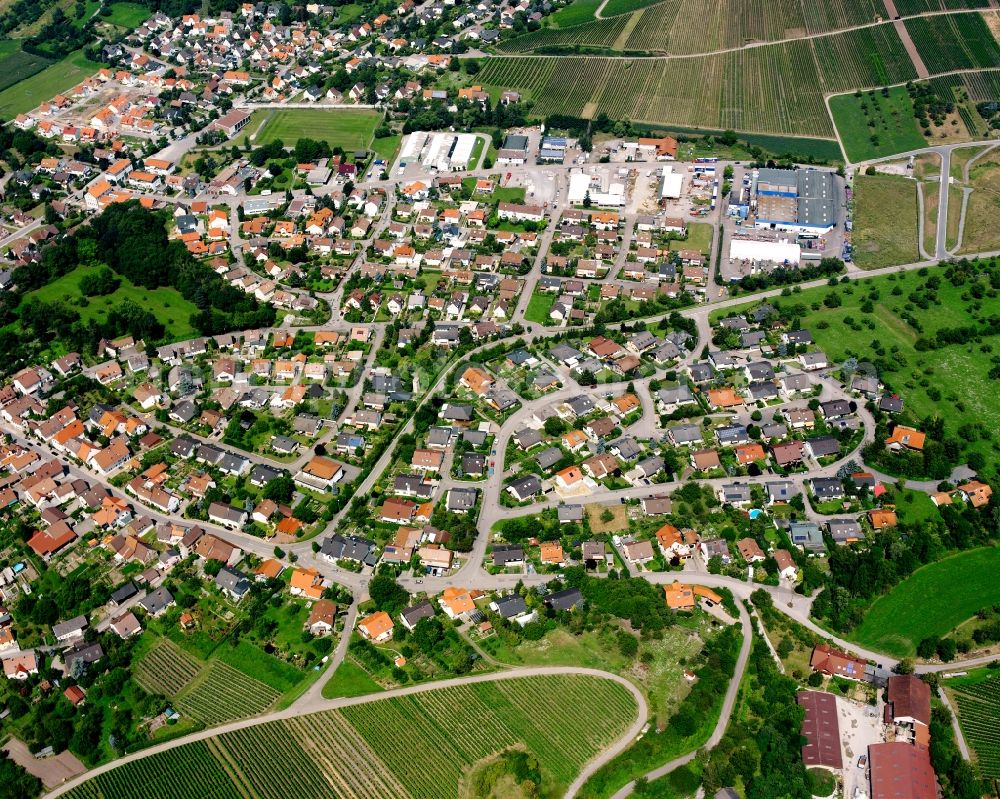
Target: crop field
<point>16,65</point>
<point>58,77</point>
<point>836,14</point>
<point>166,669</point>
<point>961,585</point>
<point>599,33</point>
<point>351,129</point>
<point>615,7</point>
<point>576,13</point>
<point>762,90</point>
<point>184,772</point>
<point>955,41</point>
<point>356,753</point>
<point>978,711</point>
<point>865,57</point>
<point>223,694</point>
<point>907,7</point>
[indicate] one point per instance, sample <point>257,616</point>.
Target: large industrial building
<point>445,152</point>
<point>803,201</point>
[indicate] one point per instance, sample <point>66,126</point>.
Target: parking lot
<point>860,726</point>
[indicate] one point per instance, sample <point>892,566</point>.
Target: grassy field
<point>538,308</point>
<point>165,303</point>
<point>661,679</point>
<point>699,238</point>
<point>933,601</point>
<point>365,750</point>
<point>128,15</point>
<point>895,130</point>
<point>348,128</point>
<point>981,233</point>
<point>28,93</point>
<point>978,701</point>
<point>885,221</point>
<point>350,680</point>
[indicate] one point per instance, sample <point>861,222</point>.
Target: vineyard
<point>599,33</point>
<point>166,669</point>
<point>615,7</point>
<point>363,751</point>
<point>832,15</point>
<point>978,711</point>
<point>224,694</point>
<point>180,773</point>
<point>907,7</point>
<point>763,90</point>
<point>955,41</point>
<point>865,57</point>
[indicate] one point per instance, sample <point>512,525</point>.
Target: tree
<point>554,426</point>
<point>628,644</point>
<point>280,489</point>
<point>387,594</point>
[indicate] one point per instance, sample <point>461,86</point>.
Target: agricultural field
<point>960,584</point>
<point>885,221</point>
<point>17,65</point>
<point>837,14</point>
<point>598,33</point>
<point>221,694</point>
<point>179,773</point>
<point>58,77</point>
<point>978,710</point>
<point>165,303</point>
<point>355,753</point>
<point>908,7</point>
<point>166,669</point>
<point>954,41</point>
<point>865,57</point>
<point>876,124</point>
<point>763,90</point>
<point>615,7</point>
<point>576,13</point>
<point>351,129</point>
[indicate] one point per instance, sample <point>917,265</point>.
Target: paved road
<point>320,704</point>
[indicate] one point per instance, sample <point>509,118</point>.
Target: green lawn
<point>895,128</point>
<point>885,221</point>
<point>349,13</point>
<point>348,128</point>
<point>165,303</point>
<point>256,663</point>
<point>538,308</point>
<point>386,149</point>
<point>699,238</point>
<point>28,93</point>
<point>350,680</point>
<point>128,15</point>
<point>931,602</point>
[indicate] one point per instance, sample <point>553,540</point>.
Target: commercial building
<point>798,200</point>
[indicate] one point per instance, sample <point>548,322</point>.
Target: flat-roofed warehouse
<point>821,729</point>
<point>801,200</point>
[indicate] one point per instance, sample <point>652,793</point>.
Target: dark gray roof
<point>567,599</point>
<point>511,606</point>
